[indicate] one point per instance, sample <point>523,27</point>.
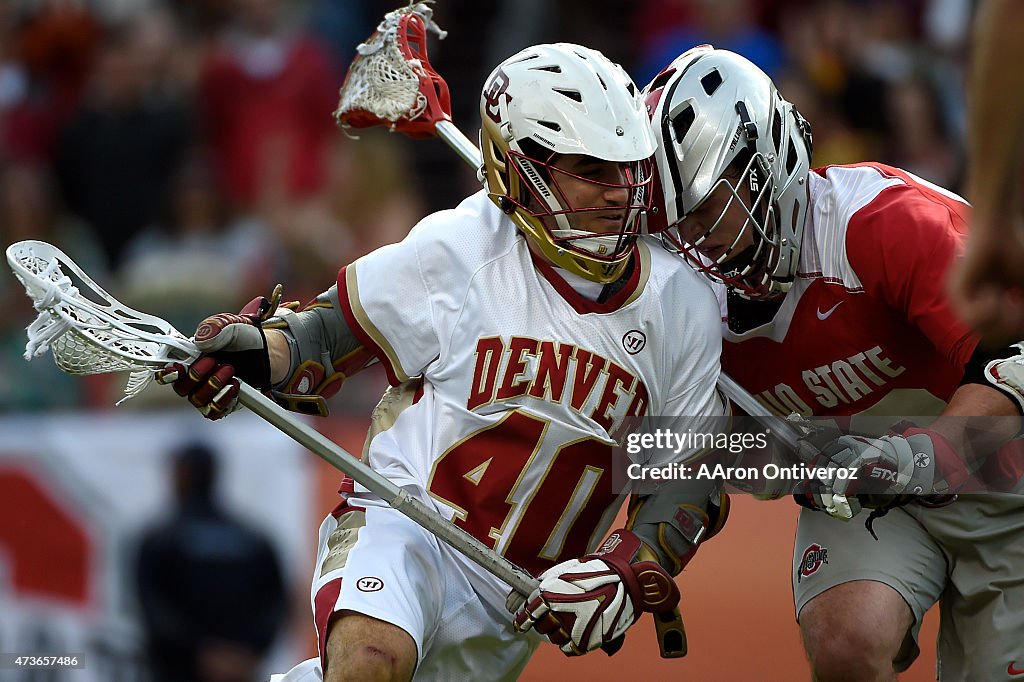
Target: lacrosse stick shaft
<point>783,430</point>
<point>462,145</point>
<point>397,498</point>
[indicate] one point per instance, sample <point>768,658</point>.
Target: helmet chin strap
<point>597,244</point>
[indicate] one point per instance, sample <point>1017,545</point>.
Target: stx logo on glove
<point>883,474</point>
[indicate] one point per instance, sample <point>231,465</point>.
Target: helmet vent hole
<point>551,125</point>
<point>682,122</point>
<point>631,89</point>
<point>711,81</point>
<point>790,157</point>
<point>523,59</point>
<point>571,94</point>
<point>552,68</point>
<point>777,130</point>
<point>661,79</point>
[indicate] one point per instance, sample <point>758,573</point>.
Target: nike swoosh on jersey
<point>1013,672</point>
<point>824,315</point>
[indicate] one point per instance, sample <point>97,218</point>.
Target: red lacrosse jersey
<point>867,328</point>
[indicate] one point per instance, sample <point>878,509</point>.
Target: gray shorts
<point>969,556</point>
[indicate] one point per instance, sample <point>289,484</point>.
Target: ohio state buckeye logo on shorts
<point>814,556</point>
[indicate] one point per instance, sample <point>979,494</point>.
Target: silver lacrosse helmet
<point>549,101</point>
<point>723,129</point>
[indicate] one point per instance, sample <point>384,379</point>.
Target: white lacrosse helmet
<point>715,114</point>
<point>551,100</point>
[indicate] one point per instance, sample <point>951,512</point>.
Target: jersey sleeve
<point>901,245</point>
<point>388,304</point>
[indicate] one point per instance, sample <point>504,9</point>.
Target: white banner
<point>75,492</point>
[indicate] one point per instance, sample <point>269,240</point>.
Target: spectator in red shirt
<point>266,93</point>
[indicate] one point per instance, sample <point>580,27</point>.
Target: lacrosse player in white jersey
<point>522,332</point>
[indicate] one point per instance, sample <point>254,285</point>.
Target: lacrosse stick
<point>392,83</point>
<point>88,331</point>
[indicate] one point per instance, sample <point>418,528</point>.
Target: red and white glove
<point>590,602</point>
<point>885,471</point>
<point>233,345</point>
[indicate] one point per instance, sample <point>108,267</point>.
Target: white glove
<point>586,603</point>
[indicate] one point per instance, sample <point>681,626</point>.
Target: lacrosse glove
<point>883,473</point>
<point>590,602</point>
<point>234,347</point>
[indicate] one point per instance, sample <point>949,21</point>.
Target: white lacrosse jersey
<point>525,384</point>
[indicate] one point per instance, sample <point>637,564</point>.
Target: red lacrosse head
<point>411,40</point>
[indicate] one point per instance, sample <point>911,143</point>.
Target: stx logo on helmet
<point>814,556</point>
<point>492,95</point>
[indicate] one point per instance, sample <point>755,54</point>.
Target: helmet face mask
<point>559,212</point>
<point>567,150</point>
<point>733,170</point>
<point>741,239</point>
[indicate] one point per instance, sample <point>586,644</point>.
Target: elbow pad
<point>324,352</point>
<point>675,521</point>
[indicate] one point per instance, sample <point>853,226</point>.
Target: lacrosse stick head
<point>86,329</point>
<point>391,81</point>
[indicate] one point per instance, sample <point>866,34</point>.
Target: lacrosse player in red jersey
<point>832,286</point>
<point>522,333</point>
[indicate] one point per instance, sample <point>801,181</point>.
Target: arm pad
<point>673,522</point>
<point>324,352</point>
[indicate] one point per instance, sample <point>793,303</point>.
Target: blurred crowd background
<point>184,153</point>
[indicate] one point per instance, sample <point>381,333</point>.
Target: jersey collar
<point>639,273</point>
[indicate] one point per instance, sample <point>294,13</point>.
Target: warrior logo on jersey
<point>492,95</point>
<point>814,556</point>
<point>634,341</point>
<point>370,584</point>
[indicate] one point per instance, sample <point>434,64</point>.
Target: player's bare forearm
<point>280,356</point>
<point>996,107</point>
<point>977,400</point>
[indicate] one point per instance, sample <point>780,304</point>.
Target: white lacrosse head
<point>88,330</point>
